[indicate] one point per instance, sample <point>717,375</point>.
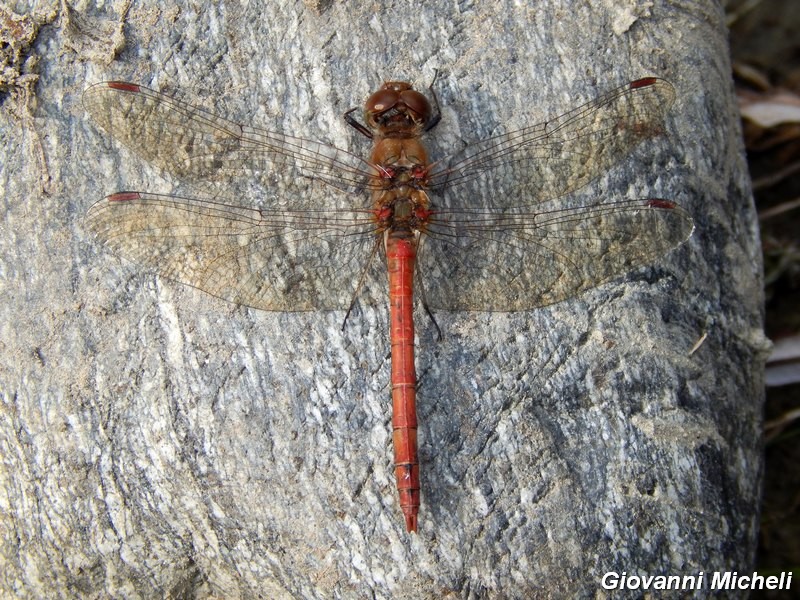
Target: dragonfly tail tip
<point>411,523</point>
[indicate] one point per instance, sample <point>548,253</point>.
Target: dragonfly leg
<point>424,301</point>
<point>439,336</point>
<point>437,112</point>
<point>361,279</point>
<point>353,122</point>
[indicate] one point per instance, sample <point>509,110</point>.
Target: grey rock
<point>158,442</point>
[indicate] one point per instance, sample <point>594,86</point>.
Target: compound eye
<point>381,101</point>
<point>417,103</point>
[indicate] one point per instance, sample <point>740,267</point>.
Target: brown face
<point>396,107</point>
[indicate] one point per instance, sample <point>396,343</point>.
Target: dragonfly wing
<point>271,260</point>
<point>552,158</point>
<point>192,143</point>
<point>518,261</point>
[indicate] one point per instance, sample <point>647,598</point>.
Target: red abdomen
<point>400,254</point>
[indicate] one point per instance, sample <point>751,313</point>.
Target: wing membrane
<point>194,144</point>
<point>518,261</point>
<point>271,260</point>
<point>552,158</point>
<point>492,244</point>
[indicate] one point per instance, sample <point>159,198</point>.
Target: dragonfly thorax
<point>403,211</point>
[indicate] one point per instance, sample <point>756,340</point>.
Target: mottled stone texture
<point>159,442</point>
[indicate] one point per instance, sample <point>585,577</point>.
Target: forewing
<point>548,160</point>
<point>518,261</point>
<point>194,144</point>
<point>271,260</point>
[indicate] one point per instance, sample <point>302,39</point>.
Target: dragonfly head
<point>397,110</point>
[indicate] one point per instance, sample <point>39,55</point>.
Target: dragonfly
<point>489,228</point>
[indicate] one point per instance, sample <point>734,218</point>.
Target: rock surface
<point>160,442</point>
